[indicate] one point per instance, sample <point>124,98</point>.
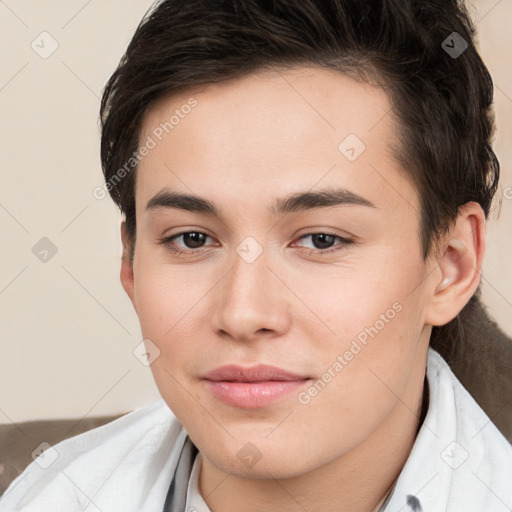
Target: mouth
<point>253,387</point>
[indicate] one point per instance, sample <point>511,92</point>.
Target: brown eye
<point>323,240</point>
<point>187,242</point>
<point>193,239</point>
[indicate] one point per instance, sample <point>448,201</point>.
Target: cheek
<point>166,304</point>
<point>165,298</point>
<point>167,308</point>
<point>367,299</point>
<point>377,320</point>
<point>361,380</point>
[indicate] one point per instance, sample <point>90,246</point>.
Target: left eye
<point>323,241</point>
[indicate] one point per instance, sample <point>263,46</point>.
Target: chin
<point>261,458</point>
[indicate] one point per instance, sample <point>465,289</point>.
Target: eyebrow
<point>299,201</point>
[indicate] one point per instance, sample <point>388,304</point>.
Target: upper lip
<point>258,373</point>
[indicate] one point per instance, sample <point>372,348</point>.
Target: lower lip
<point>252,395</point>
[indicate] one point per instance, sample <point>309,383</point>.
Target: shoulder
<point>457,409</point>
<point>450,393</point>
<point>99,464</point>
<point>473,454</point>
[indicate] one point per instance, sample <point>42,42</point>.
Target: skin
<point>248,142</point>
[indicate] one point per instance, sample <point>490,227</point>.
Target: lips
<point>259,373</point>
<point>250,388</point>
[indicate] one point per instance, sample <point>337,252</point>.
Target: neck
<point>357,481</point>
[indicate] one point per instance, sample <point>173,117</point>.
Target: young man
<point>305,186</point>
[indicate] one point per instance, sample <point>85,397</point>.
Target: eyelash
<point>168,243</point>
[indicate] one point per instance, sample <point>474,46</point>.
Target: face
<point>299,249</point>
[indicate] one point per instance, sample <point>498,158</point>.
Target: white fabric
<point>459,462</point>
<point>195,502</point>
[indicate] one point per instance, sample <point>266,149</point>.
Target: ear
<point>127,279</point>
<point>460,258</point>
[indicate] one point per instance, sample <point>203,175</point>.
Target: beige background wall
<point>67,329</point>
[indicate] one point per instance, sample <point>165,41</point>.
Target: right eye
<point>190,241</point>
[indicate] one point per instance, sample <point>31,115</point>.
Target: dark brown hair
<point>422,51</point>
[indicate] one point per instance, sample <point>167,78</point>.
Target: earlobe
<point>127,278</point>
<point>460,263</point>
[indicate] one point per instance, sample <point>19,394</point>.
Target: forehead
<point>275,131</point>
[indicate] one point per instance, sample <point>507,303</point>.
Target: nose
<point>251,301</point>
